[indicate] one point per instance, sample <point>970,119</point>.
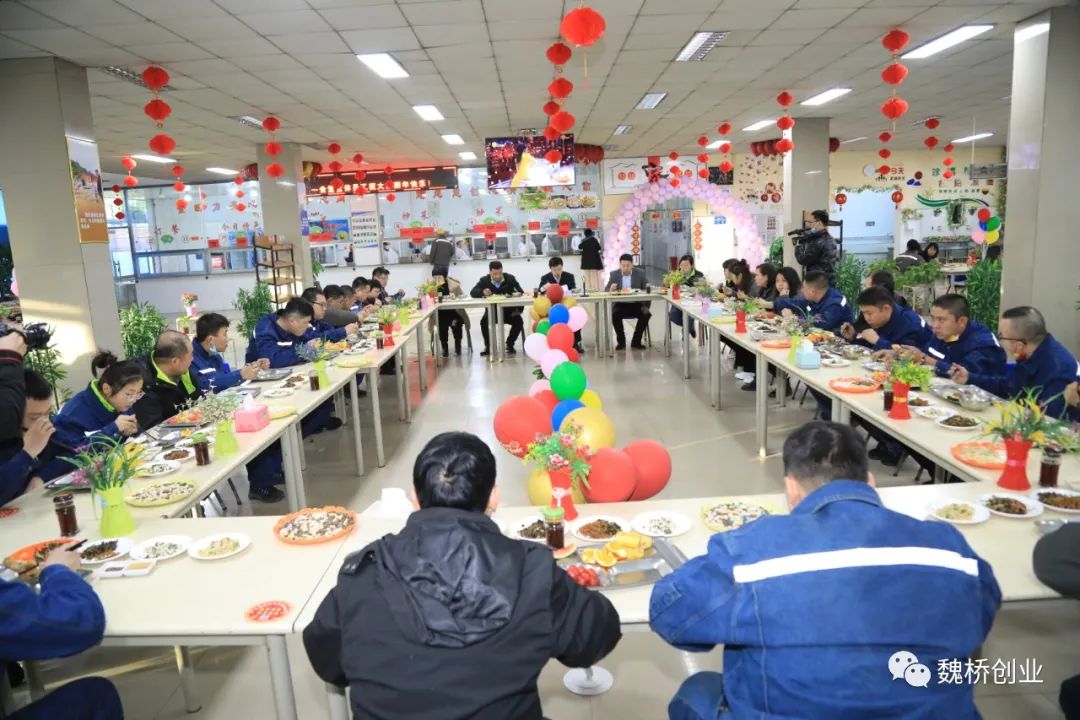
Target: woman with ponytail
<point>105,405</point>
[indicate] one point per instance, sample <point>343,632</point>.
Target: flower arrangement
<point>105,463</point>
<point>673,278</point>
<point>188,299</point>
<point>1025,420</point>
<point>798,325</point>
<point>428,287</point>
<point>561,452</point>
<point>387,315</point>
<point>219,407</point>
<point>911,373</point>
<point>748,305</point>
<point>315,351</point>
<point>705,289</point>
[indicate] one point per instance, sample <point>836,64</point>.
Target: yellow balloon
<point>597,430</point>
<point>569,301</point>
<point>591,400</point>
<point>533,314</point>
<point>538,488</point>
<point>992,236</point>
<point>541,306</point>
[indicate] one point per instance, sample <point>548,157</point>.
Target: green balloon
<point>993,223</point>
<point>568,381</point>
<point>543,326</point>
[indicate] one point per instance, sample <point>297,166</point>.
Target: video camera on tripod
<point>37,335</point>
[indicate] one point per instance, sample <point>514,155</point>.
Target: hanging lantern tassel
<point>582,27</point>
<point>840,199</point>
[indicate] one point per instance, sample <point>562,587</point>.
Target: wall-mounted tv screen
<point>518,162</point>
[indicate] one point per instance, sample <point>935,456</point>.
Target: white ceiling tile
<point>374,41</point>
<point>367,17</point>
<point>810,19</point>
<point>86,12</point>
<point>275,23</point>
<point>12,49</point>
<point>278,61</point>
<point>198,29</point>
<point>317,42</point>
<point>14,16</point>
<point>169,52</point>
<point>445,12</point>
<point>496,10</point>
<point>144,32</point>
<point>442,35</point>
<point>880,19</point>
<point>743,18</point>
<point>158,9</point>
<point>240,7</point>
<point>59,41</point>
<point>240,47</point>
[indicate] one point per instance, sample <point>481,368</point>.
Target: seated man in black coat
<point>169,384</point>
<point>496,282</point>
<point>558,276</point>
<point>628,277</point>
<point>450,618</point>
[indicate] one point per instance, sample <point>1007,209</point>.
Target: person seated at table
<point>207,363</point>
<point>461,250</point>
<point>65,618</point>
<point>104,405</point>
<point>886,591</point>
<point>1055,564</point>
<point>931,252</point>
<point>363,294</point>
<point>320,329</point>
<point>628,277</point>
<point>557,276</point>
<point>818,300</point>
<point>497,282</point>
<point>449,618</point>
<point>1043,365</point>
<point>381,277</point>
<point>1072,399</point>
<point>170,385</point>
<point>911,256</point>
<point>881,278</point>
<point>449,319</point>
<point>764,287</point>
<point>788,283</point>
<point>22,459</point>
<point>338,307</point>
<point>691,277</point>
<point>889,323</point>
<point>727,287</point>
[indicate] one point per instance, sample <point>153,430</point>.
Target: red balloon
<point>275,170</point>
<point>559,54</point>
<point>155,77</point>
<point>932,123</point>
<point>947,174</point>
<point>885,137</point>
<point>785,122</point>
<point>551,107</point>
<point>840,198</point>
<point>612,477</point>
<point>131,181</point>
<point>333,148</point>
<point>518,421</point>
<point>562,121</point>
<point>572,355</point>
<point>883,170</point>
<point>560,337</point>
<point>271,124</point>
<point>724,128</point>
<point>984,215</point>
<point>551,134</point>
<point>884,153</point>
<point>703,141</point>
<point>784,145</point>
<point>157,110</point>
<point>272,148</point>
<point>785,98</point>
<point>162,144</point>
<point>930,142</point>
<point>897,197</point>
<point>653,464</point>
<point>894,107</point>
<point>554,293</point>
<point>547,399</point>
<point>894,74</point>
<point>560,88</point>
<point>582,27</point>
<point>895,40</point>
<point>128,162</point>
<point>553,156</point>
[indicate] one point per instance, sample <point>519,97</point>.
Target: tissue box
<point>251,418</point>
<point>807,357</point>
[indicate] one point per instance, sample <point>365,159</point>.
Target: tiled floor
<point>644,393</point>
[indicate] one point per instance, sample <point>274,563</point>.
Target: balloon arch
<point>747,240</point>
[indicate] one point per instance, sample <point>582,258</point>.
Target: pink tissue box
<point>252,419</point>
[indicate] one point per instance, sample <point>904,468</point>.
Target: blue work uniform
<point>905,327</point>
<point>975,349</point>
<point>829,313</point>
<point>270,341</point>
<point>322,330</point>
<point>87,413</point>
<point>211,370</point>
<point>1047,371</point>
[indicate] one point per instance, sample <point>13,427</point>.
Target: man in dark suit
<point>566,280</point>
<point>496,282</point>
<point>628,277</point>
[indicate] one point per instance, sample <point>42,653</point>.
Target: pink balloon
<point>552,359</point>
<point>978,236</point>
<point>578,318</point>
<point>536,347</point>
<point>538,387</point>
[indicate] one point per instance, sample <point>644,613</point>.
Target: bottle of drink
<point>554,528</point>
<point>64,504</point>
<point>1051,466</point>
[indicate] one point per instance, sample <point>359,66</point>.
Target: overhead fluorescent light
<point>222,171</point>
<point>814,172</point>
<point>155,159</point>
<point>650,100</point>
<point>700,45</point>
<point>824,97</point>
<point>129,75</point>
<point>714,145</point>
<point>946,41</point>
<point>852,140</point>
<point>467,155</point>
<point>759,125</point>
<point>383,65</point>
<point>453,139</point>
<point>622,129</point>
<point>1031,31</point>
<point>286,183</point>
<point>969,138</point>
<point>428,112</point>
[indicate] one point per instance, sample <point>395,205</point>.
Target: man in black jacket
<point>496,282</point>
<point>816,250</point>
<point>12,385</point>
<point>558,277</point>
<point>450,618</point>
<point>169,385</point>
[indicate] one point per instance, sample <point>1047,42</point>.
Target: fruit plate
<point>1034,507</point>
<point>121,547</point>
<point>1042,493</point>
<point>661,523</point>
<point>146,550</point>
<point>577,525</point>
<point>978,512</point>
<point>219,546</point>
<point>666,559</point>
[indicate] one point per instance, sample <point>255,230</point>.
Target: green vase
<point>403,316</point>
<point>796,341</point>
<point>116,520</point>
<point>320,369</point>
<point>225,442</point>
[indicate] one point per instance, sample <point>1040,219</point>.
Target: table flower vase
<point>675,292</point>
<point>900,409</point>
<point>225,442</point>
<point>740,321</point>
<point>320,368</point>
<point>403,316</point>
<point>388,332</point>
<point>796,341</point>
<point>116,520</point>
<point>1014,476</point>
<point>425,302</point>
<point>562,492</point>
<point>191,310</point>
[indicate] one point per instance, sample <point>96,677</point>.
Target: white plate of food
<point>959,512</point>
<point>219,546</point>
<point>158,468</point>
<point>188,442</point>
<point>281,392</point>
<point>177,455</point>
<point>661,523</point>
<point>915,400</point>
<point>731,514</point>
<point>162,547</point>
<point>933,412</point>
<point>1012,506</point>
<point>598,528</point>
<point>959,422</point>
<point>834,362</point>
<point>874,366</point>
<point>1059,500</point>
<point>104,550</point>
<point>529,528</point>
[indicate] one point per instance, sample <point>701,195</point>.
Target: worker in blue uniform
<point>208,364</point>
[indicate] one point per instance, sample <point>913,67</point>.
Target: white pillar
<point>282,201</point>
<point>806,175</point>
<point>1041,251</point>
<point>65,276</point>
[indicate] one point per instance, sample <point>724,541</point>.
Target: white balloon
<point>538,386</point>
<point>536,346</point>
<point>578,318</point>
<point>551,359</point>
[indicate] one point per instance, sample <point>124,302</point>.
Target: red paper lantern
<point>703,141</point>
<point>337,183</point>
<point>703,173</point>
<point>162,144</point>
<point>333,148</point>
<point>653,159</point>
<point>785,122</point>
<point>551,107</point>
<point>391,197</point>
<point>131,181</point>
<point>272,148</point>
<point>177,170</point>
<point>560,88</point>
<point>726,166</point>
<point>553,156</point>
<point>179,187</point>
<point>239,193</point>
<point>562,121</point>
<point>128,162</point>
<point>949,148</point>
<point>240,207</point>
<point>703,158</point>
<point>335,166</point>
<point>834,144</point>
<point>551,134</point>
<point>894,74</point>
<point>775,197</point>
<point>930,142</point>
<point>275,170</point>
<point>116,188</point>
<point>894,107</point>
<point>785,98</point>
<point>840,198</point>
<point>559,53</point>
<point>883,170</point>
<point>897,197</point>
<point>271,124</point>
<point>725,148</point>
<point>673,156</point>
<point>389,170</point>
<point>884,153</point>
<point>674,182</point>
<point>895,40</point>
<point>885,137</point>
<point>947,174</point>
<point>582,27</point>
<point>181,203</point>
<point>932,123</point>
<point>784,145</point>
<point>239,179</point>
<point>157,110</point>
<point>724,128</point>
<point>120,216</point>
<point>118,202</point>
<point>155,77</point>
<point>764,197</point>
<point>947,162</point>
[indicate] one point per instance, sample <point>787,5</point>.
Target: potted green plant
<point>253,305</point>
<point>904,375</point>
<point>565,459</point>
<point>140,326</point>
<point>984,292</point>
<point>106,465</point>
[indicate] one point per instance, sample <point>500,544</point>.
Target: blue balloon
<point>558,314</point>
<point>564,408</point>
<point>982,225</point>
